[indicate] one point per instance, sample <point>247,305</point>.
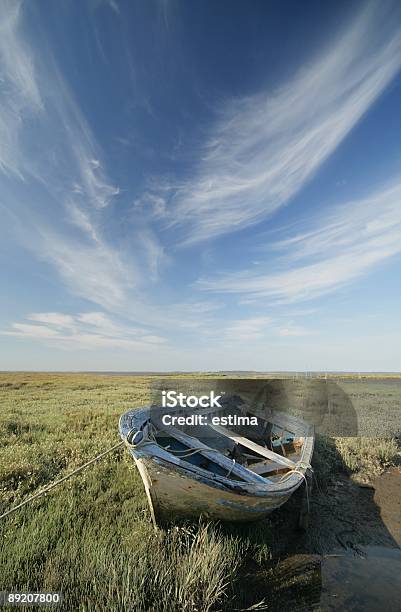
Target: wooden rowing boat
<point>235,474</point>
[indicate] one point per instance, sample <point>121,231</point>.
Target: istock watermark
<point>172,399</point>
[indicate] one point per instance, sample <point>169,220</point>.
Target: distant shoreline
<point>292,373</point>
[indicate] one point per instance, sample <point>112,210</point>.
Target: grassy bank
<point>91,538</point>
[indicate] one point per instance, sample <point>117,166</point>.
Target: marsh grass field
<point>91,537</point>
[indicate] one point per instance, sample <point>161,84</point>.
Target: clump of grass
<point>256,540</point>
<point>365,455</point>
<point>195,568</point>
<point>326,459</point>
<point>368,455</point>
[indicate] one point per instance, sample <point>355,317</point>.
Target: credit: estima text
<point>202,419</point>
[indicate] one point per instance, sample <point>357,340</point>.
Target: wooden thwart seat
<point>256,448</point>
<point>267,467</point>
<point>215,456</point>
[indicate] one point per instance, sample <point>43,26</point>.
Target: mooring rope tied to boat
<point>57,482</point>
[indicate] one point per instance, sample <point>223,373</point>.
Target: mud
<point>349,558</point>
<point>387,497</point>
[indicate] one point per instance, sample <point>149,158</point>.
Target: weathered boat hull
<point>172,494</point>
<point>178,490</point>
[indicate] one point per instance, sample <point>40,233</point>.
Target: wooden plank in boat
<point>288,422</point>
<point>266,467</point>
<point>261,450</point>
<point>215,456</point>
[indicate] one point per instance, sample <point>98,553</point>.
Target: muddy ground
<point>348,514</point>
<point>349,557</point>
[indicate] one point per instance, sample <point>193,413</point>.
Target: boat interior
<point>260,453</point>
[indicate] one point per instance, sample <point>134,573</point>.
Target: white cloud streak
<point>31,331</point>
<point>21,97</point>
<point>95,187</point>
<point>348,244</point>
<point>32,84</point>
<point>55,319</point>
<point>265,147</point>
<point>293,330</point>
<point>68,166</point>
<point>83,331</point>
<point>92,271</point>
<point>249,329</point>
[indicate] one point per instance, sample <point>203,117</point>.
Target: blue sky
<point>200,185</point>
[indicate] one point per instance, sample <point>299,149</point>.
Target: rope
<point>186,453</point>
<point>296,470</point>
<point>57,482</point>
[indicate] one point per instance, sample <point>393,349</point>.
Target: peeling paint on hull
<point>176,489</point>
<point>175,495</point>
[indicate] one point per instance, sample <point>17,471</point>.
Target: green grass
<point>91,538</point>
<point>366,454</point>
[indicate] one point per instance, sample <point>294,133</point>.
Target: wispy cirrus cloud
<point>66,172</point>
<point>83,331</point>
<point>93,271</point>
<point>22,98</point>
<point>53,319</point>
<point>34,89</point>
<point>27,330</point>
<point>253,329</point>
<point>265,147</point>
<point>293,330</point>
<point>94,186</point>
<point>347,244</point>
<point>248,329</point>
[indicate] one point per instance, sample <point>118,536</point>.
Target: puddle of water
<point>368,580</point>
